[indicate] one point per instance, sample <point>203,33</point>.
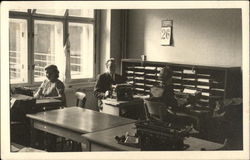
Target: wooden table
<point>42,104</point>
<point>45,104</point>
<point>129,109</point>
<point>105,141</point>
<point>72,122</point>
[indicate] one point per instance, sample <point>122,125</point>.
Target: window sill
<point>80,84</point>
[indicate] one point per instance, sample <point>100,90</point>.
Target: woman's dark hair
<point>53,68</point>
<point>166,72</point>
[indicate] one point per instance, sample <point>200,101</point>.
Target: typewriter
<point>160,136</point>
<point>122,92</point>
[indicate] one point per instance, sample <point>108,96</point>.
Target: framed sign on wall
<point>166,32</point>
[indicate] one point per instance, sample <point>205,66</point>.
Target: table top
<point>79,119</point>
<point>106,138</point>
<point>45,100</point>
<point>21,97</point>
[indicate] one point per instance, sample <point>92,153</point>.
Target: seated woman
<point>164,92</point>
<point>52,86</point>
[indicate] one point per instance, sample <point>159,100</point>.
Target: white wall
<point>201,36</point>
<point>105,31</point>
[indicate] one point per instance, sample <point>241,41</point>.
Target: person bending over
<point>105,81</point>
<point>164,92</point>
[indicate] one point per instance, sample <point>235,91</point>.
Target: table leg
<point>33,133</point>
<point>85,145</point>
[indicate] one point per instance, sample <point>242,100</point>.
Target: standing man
<point>105,81</point>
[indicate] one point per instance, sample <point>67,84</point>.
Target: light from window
<point>59,12</point>
<point>81,50</point>
<point>19,10</point>
<point>18,55</point>
<point>48,46</point>
<point>82,13</point>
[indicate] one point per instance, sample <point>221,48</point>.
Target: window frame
<point>31,16</point>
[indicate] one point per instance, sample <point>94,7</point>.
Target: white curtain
<point>66,66</point>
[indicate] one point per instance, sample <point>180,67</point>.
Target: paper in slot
<point>186,71</point>
<point>187,85</point>
<point>190,91</point>
<point>176,77</point>
<point>203,80</point>
<point>177,90</point>
<point>205,75</point>
<point>139,67</point>
<point>205,94</point>
<point>203,87</point>
<point>176,84</point>
<point>159,68</point>
<point>150,68</point>
<point>129,71</point>
<point>140,73</point>
<point>176,71</point>
<point>140,78</point>
<point>189,79</point>
<point>150,74</point>
<point>130,67</point>
<point>139,89</point>
<point>204,100</point>
<point>151,80</point>
<point>217,89</point>
<point>139,84</point>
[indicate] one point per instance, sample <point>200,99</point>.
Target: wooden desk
<point>105,141</point>
<point>41,104</point>
<point>129,109</point>
<point>72,122</point>
<point>45,104</point>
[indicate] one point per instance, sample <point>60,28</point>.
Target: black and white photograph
<point>125,80</point>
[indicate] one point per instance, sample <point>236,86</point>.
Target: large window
<point>37,38</point>
<point>18,51</point>
<point>48,44</point>
<point>82,35</point>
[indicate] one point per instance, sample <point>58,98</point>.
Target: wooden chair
<point>153,109</point>
<point>159,111</point>
<point>80,99</point>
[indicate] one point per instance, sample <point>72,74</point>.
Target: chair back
<point>80,99</point>
<point>154,109</point>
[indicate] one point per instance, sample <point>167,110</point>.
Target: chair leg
<point>62,143</point>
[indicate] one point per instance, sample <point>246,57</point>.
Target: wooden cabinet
<point>218,82</point>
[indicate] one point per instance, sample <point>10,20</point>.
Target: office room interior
<point>201,48</point>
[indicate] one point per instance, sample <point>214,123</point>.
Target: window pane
<point>18,51</point>
<point>59,12</point>
<point>48,46</point>
<point>82,12</point>
<point>81,50</point>
<point>19,10</point>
